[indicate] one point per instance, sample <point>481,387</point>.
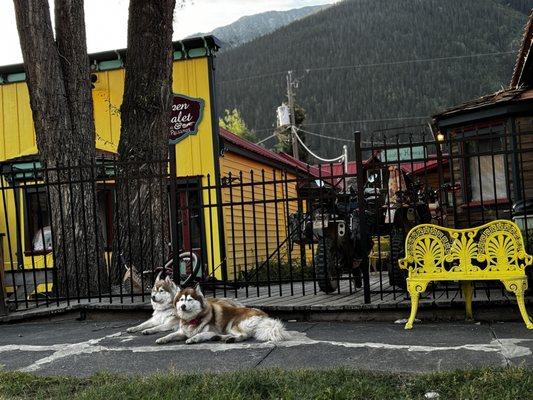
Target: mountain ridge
<point>250,27</point>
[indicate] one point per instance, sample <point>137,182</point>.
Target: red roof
<point>283,160</point>
<point>337,169</point>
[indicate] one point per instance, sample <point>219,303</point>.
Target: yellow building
<point>209,163</point>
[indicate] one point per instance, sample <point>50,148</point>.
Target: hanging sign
<point>185,117</point>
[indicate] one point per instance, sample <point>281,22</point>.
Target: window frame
<point>28,239</point>
<point>472,135</point>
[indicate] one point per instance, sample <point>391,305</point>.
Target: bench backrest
<point>496,248</point>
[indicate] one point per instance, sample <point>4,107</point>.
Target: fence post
<point>173,215</point>
<point>3,305</point>
<point>361,209</point>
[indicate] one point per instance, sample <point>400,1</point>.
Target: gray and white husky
<point>164,317</point>
<point>202,319</point>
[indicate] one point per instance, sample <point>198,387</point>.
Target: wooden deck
<point>300,296</point>
<point>297,297</point>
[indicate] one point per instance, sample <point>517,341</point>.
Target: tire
<point>396,275</point>
<point>327,275</point>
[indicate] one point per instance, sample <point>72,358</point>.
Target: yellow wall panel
<point>249,240</point>
<point>116,87</point>
<point>3,138</point>
<point>11,122</point>
<point>25,119</point>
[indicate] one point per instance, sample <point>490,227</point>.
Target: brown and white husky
<point>202,320</point>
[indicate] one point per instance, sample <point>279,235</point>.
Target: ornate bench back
<point>494,248</point>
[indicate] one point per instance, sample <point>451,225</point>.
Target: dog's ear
<point>198,290</point>
<point>176,299</point>
<point>169,279</point>
<point>158,277</point>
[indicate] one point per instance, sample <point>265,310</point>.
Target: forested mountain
<point>250,27</point>
<point>523,6</point>
<point>350,61</point>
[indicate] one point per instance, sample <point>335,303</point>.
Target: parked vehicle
<point>332,223</point>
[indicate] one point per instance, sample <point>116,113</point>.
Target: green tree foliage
<point>233,122</point>
<point>373,35</point>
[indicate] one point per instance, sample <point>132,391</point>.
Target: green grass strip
<point>487,384</point>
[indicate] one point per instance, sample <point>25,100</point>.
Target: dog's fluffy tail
<point>270,330</point>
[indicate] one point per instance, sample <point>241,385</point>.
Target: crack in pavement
<point>264,358</point>
<point>508,348</point>
<point>506,361</point>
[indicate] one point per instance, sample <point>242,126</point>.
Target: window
<point>38,233</point>
<point>486,170</point>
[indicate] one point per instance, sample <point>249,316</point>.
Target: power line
<point>365,121</point>
<point>325,136</point>
<point>339,158</point>
<point>370,65</point>
<point>351,122</point>
<point>265,139</point>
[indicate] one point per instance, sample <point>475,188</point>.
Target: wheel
<point>358,273</point>
<point>327,274</point>
<point>397,276</point>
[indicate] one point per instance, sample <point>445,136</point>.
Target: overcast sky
<point>106,20</point>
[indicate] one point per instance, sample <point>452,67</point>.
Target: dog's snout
<point>153,298</point>
<point>183,307</point>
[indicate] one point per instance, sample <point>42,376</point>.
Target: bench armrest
<point>405,263</point>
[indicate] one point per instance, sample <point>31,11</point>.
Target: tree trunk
<point>58,80</point>
<point>141,221</point>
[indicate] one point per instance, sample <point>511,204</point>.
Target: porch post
<point>3,305</point>
<point>361,210</point>
<point>173,214</point>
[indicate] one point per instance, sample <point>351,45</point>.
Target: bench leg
<point>468,293</point>
<point>518,287</point>
<point>414,309</point>
<point>414,289</point>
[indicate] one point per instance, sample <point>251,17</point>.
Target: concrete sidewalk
<point>83,348</point>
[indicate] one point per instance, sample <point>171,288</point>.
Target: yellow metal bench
<point>494,251</point>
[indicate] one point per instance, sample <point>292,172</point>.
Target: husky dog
<point>163,318</point>
<point>204,319</point>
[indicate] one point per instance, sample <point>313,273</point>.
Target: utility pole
<point>290,94</point>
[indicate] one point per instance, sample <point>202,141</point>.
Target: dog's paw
<point>147,332</point>
<point>191,341</point>
<point>161,341</point>
<point>131,330</point>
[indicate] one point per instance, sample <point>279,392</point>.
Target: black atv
<point>332,223</point>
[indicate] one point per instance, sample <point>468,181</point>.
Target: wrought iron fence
<point>102,231</point>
